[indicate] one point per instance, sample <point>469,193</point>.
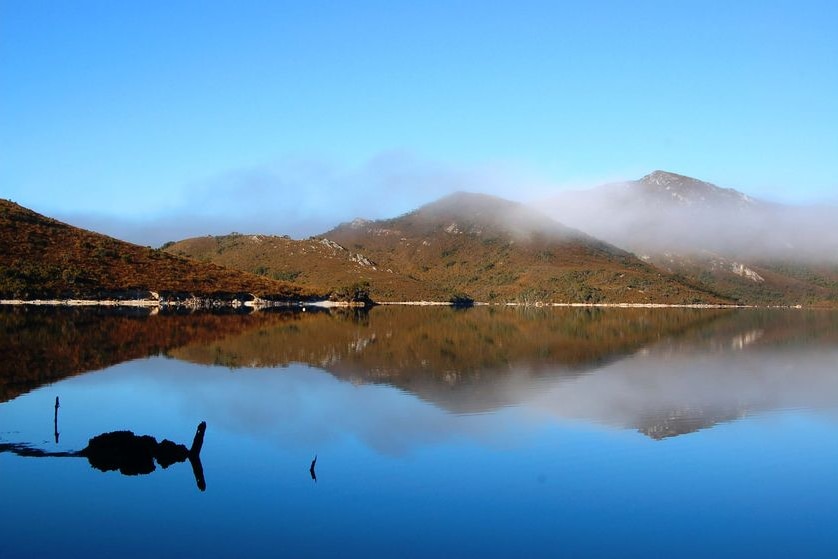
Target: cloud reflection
<point>433,376</point>
<point>719,372</point>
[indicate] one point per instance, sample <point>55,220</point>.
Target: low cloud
<point>302,197</point>
<point>754,229</point>
<point>305,197</point>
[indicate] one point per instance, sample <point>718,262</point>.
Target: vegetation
<point>490,249</point>
<point>782,283</point>
<point>461,300</point>
<point>358,292</point>
<point>496,251</point>
<point>460,245</point>
<point>44,258</point>
<point>315,263</point>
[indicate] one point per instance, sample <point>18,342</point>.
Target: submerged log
<point>132,454</point>
<point>126,452</point>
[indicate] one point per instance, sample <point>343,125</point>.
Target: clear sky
<point>161,119</point>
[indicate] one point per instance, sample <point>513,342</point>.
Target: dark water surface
<point>438,433</point>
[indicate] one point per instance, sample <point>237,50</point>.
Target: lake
<point>485,432</point>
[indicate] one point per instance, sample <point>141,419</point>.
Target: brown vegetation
<point>780,283</point>
<point>318,264</point>
<point>497,251</point>
<point>44,258</point>
<point>462,247</point>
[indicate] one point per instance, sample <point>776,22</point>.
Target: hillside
<point>752,251</point>
<point>479,246</point>
<point>320,264</point>
<point>495,250</point>
<point>44,258</point>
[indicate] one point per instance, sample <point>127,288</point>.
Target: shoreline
<point>145,303</point>
<point>259,304</point>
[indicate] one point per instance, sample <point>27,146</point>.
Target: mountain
<point>43,258</point>
<point>750,250</point>
<point>465,244</point>
<point>495,250</point>
<point>664,211</point>
<point>669,189</point>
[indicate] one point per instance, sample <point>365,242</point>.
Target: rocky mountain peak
<point>664,178</point>
<point>687,191</point>
<point>358,223</point>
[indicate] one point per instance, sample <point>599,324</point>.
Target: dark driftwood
<point>55,421</point>
<point>135,455</point>
<point>127,453</point>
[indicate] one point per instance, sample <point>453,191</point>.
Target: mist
<point>304,197</point>
<point>732,227</point>
<point>656,387</point>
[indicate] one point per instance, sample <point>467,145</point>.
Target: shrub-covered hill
<point>499,251</point>
<point>465,245</point>
<point>45,258</point>
<point>315,263</point>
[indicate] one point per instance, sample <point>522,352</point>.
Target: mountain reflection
<point>664,372</point>
<point>127,453</point>
<point>43,345</point>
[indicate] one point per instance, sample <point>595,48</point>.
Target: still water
<point>438,433</point>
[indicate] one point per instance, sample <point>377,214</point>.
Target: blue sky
<point>151,120</point>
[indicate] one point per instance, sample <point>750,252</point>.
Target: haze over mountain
<point>496,250</point>
<point>693,242</point>
<point>665,211</point>
<point>470,244</point>
<point>739,246</point>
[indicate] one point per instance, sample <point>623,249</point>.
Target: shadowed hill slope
<point>45,258</point>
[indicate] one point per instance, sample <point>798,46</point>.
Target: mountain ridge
<point>465,245</point>
<point>496,250</point>
<point>468,245</point>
